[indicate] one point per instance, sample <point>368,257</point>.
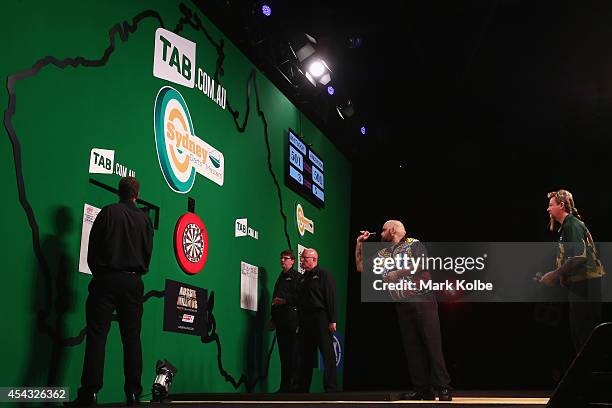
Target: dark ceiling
<point>336,26</point>
<point>444,72</point>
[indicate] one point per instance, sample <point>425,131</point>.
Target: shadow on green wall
<point>54,297</point>
<point>257,339</point>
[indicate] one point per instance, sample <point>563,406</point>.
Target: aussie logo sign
<point>180,152</point>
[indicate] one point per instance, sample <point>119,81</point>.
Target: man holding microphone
<point>417,315</point>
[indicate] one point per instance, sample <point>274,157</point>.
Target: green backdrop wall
<point>79,75</point>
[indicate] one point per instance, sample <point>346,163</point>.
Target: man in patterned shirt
<point>417,316</point>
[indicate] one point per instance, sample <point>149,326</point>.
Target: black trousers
<point>121,292</point>
<point>286,320</point>
<point>314,334</point>
<point>289,358</point>
<point>585,311</point>
<point>420,328</point>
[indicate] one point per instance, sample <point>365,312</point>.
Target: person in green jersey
<point>577,266</point>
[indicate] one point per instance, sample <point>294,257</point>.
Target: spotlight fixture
<point>330,90</point>
<point>347,110</point>
<point>316,69</point>
<point>266,10</point>
<point>302,47</point>
<point>165,373</point>
<point>318,72</point>
<point>363,130</point>
<point>311,65</point>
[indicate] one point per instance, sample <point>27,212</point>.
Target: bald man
<point>417,315</point>
<point>317,313</point>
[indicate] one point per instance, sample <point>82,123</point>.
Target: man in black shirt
<point>285,319</point>
<point>120,245</point>
<point>317,312</point>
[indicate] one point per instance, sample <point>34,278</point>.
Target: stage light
<point>317,72</point>
<point>347,110</point>
<point>266,10</point>
<point>330,90</point>
<point>316,69</point>
<point>363,130</point>
<point>302,47</point>
<point>310,64</point>
<point>165,372</point>
<point>325,79</point>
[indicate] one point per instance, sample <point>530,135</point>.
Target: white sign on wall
<point>175,58</point>
<point>301,248</point>
<point>89,216</point>
<point>101,161</point>
<point>242,229</point>
<point>248,286</point>
<point>175,61</point>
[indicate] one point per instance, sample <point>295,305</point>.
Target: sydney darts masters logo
<point>180,152</point>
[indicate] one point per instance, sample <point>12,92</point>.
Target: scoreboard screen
<point>304,170</point>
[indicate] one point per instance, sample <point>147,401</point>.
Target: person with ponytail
<point>577,266</point>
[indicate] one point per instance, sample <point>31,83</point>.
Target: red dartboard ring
<point>190,243</point>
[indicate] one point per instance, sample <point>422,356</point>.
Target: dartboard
<point>193,243</point>
<point>190,243</point>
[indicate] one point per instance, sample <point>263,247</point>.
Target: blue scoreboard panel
<point>304,171</point>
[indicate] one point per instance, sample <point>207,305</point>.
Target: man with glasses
<point>285,320</point>
<point>317,312</point>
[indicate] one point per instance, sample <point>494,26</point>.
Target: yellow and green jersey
<point>575,241</point>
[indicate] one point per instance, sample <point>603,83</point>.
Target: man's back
<point>121,239</point>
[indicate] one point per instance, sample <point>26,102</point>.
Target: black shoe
<point>419,395</point>
<point>132,399</point>
<point>444,394</point>
<point>83,401</point>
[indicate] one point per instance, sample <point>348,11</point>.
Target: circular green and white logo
<point>174,140</point>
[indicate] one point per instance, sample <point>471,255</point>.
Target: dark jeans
<point>314,333</point>
<point>420,328</point>
<point>109,292</point>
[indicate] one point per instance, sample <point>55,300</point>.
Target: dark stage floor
<point>391,399</point>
